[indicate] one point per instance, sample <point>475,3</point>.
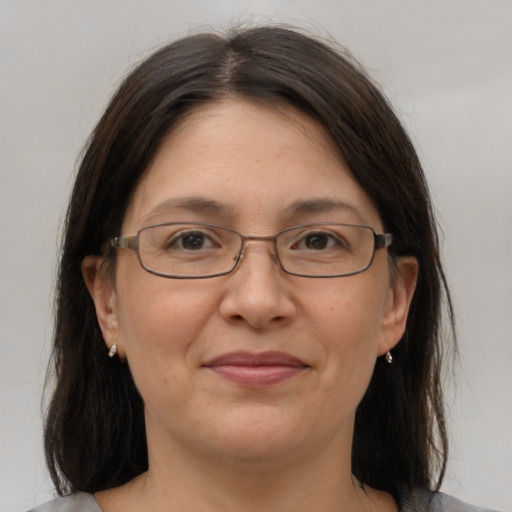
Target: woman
<point>250,293</point>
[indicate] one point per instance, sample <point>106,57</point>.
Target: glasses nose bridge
<point>256,238</point>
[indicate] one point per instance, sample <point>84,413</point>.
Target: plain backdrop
<point>447,67</point>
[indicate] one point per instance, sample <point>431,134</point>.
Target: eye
<point>319,241</point>
<point>191,241</point>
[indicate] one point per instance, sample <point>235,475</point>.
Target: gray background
<point>447,66</point>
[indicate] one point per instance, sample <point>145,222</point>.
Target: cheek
<point>348,324</point>
<point>350,313</point>
<point>159,321</point>
<point>156,311</point>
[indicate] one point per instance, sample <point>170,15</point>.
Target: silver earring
<point>389,358</point>
<point>113,350</point>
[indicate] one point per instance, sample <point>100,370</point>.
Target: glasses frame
<point>131,242</point>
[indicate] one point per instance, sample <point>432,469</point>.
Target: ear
<point>398,302</point>
<point>103,294</point>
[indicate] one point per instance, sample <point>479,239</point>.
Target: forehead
<point>241,161</point>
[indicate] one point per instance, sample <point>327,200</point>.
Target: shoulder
<point>81,502</point>
<point>423,500</point>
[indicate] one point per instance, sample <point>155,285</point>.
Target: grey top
<point>419,500</point>
<point>81,502</point>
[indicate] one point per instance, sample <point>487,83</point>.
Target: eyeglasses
<point>187,250</point>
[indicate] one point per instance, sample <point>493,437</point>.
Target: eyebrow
<point>196,204</point>
<point>322,205</point>
<point>199,204</point>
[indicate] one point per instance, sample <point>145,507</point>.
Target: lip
<point>256,370</point>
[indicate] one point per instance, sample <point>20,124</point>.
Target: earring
<point>389,358</point>
<point>113,350</point>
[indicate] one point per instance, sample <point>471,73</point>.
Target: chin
<point>261,436</point>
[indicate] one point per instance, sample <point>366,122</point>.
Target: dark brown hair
<point>95,435</point>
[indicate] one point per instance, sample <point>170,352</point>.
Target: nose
<point>257,290</point>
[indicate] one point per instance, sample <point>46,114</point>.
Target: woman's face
<point>192,344</point>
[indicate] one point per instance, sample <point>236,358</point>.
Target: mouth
<point>256,370</point>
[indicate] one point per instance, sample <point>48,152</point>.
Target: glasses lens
<point>326,249</point>
<point>188,250</point>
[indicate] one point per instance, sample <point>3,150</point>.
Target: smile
<point>256,370</point>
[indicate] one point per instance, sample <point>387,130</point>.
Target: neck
<point>231,489</point>
<point>322,483</point>
<point>308,478</point>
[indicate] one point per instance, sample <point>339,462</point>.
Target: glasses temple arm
<point>383,240</point>
<point>126,242</point>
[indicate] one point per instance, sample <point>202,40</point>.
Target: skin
<point>213,444</point>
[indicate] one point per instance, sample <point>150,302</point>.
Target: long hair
<point>94,433</point>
